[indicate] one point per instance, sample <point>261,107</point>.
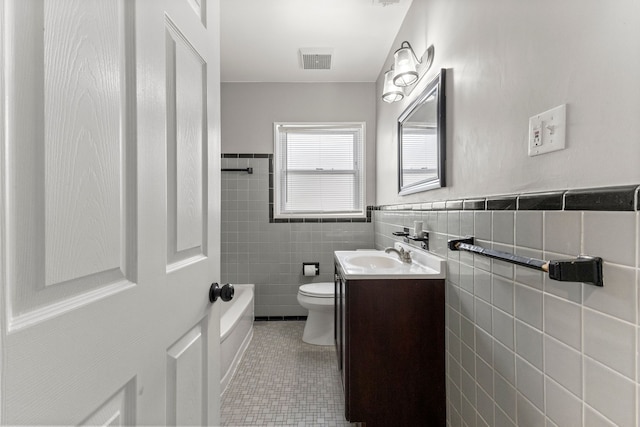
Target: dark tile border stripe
<point>540,202</point>
<point>454,205</point>
<point>474,205</point>
<point>245,156</point>
<point>278,318</point>
<point>614,199</point>
<point>271,196</point>
<point>604,199</point>
<point>502,204</point>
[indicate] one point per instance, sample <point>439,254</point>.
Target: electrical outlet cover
<point>547,131</point>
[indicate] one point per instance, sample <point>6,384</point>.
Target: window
<point>319,170</point>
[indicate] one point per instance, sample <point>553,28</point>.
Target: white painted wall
<point>509,60</point>
<point>250,109</point>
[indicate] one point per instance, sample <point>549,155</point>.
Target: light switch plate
<point>547,131</point>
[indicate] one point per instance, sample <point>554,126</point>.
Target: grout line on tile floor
<point>282,381</point>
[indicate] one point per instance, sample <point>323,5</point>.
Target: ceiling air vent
<point>316,59</point>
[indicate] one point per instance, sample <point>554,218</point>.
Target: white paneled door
<point>110,209</point>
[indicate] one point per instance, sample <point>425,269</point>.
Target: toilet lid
<point>318,290</point>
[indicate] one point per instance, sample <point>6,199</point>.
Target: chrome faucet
<point>405,256</point>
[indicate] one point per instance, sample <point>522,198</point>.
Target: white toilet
<point>318,298</point>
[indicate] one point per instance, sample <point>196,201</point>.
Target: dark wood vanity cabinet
<point>390,345</point>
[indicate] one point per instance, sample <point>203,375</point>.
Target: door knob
<point>225,293</point>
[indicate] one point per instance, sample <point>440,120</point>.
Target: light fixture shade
<point>405,66</point>
<point>390,92</point>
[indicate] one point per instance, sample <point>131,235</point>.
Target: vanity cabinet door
<point>395,355</point>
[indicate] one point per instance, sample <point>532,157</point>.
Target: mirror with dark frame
<point>422,140</point>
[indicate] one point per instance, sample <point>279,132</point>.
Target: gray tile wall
<point>526,350</point>
<point>271,255</point>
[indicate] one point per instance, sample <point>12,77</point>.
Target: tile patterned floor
<point>282,381</point>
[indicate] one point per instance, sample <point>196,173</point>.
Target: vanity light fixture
<point>406,71</point>
<point>390,92</point>
<point>406,65</point>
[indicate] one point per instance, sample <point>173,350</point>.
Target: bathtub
<point>236,331</point>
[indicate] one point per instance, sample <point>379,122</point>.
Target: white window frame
<point>359,170</point>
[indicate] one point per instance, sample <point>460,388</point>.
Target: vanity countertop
<point>375,265</point>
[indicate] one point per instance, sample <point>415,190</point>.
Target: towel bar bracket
<point>455,243</point>
<point>584,269</point>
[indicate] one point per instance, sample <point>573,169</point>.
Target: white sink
<point>380,265</point>
<point>373,260</point>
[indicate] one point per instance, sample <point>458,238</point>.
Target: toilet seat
<point>317,290</point>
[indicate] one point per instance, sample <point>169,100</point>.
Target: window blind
<point>319,169</point>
